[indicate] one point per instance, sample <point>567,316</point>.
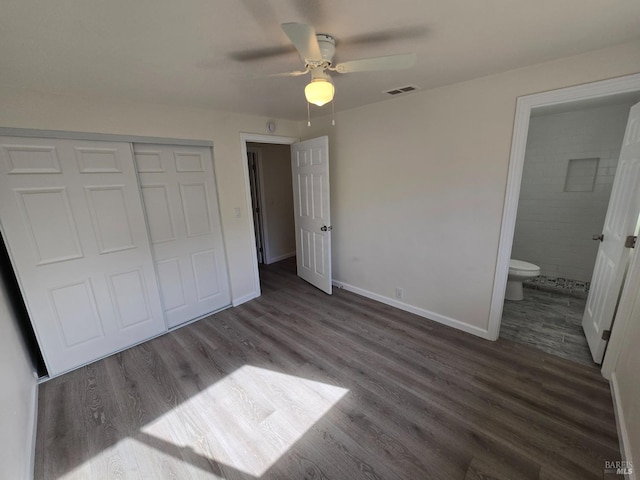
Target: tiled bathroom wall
<point>569,166</point>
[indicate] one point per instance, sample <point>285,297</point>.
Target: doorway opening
<point>570,163</point>
<point>529,108</point>
<point>271,188</point>
<point>258,149</point>
<point>309,170</point>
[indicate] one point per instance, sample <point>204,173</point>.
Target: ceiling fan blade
<point>304,39</point>
<point>260,53</point>
<point>289,74</point>
<point>391,62</point>
<point>388,35</point>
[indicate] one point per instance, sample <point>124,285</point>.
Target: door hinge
<point>606,334</point>
<point>630,242</point>
<point>260,249</point>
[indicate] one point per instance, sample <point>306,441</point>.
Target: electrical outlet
<point>237,212</point>
<point>399,293</point>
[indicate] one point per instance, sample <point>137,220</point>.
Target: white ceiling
<point>194,52</point>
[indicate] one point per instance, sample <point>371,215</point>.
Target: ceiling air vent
<point>398,91</point>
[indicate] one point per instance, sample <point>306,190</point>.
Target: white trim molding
<point>436,317</point>
<point>255,138</point>
<point>31,440</point>
<point>623,434</point>
<point>101,137</point>
<point>524,106</point>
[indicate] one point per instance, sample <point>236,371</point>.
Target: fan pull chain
<point>333,113</point>
<point>308,116</point>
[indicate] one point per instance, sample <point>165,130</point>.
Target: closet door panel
<point>72,217</point>
<point>181,204</point>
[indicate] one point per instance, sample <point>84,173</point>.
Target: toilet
<point>519,271</point>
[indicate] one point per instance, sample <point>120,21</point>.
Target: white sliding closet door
<point>72,217</point>
<point>180,199</point>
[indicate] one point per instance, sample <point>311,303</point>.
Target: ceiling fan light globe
<point>319,92</point>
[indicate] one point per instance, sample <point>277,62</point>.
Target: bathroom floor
<point>550,321</point>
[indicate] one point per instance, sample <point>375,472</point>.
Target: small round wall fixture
<point>271,126</point>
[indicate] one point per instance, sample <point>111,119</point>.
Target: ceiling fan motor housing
<point>327,47</point>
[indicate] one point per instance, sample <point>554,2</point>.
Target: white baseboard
<point>245,298</point>
<point>280,257</point>
<point>31,440</point>
<point>436,317</point>
<point>623,434</point>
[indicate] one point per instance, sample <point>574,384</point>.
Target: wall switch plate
<point>400,293</point>
<point>237,212</point>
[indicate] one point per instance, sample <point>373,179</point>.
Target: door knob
<point>598,237</point>
<point>326,229</point>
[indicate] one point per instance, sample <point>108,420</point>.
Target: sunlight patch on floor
<point>244,422</point>
<point>132,458</point>
<point>247,420</point>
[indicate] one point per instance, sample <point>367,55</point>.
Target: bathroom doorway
<point>570,163</point>
<point>567,171</point>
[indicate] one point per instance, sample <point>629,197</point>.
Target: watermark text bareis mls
<point>618,467</point>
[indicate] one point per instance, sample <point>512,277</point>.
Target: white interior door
<point>254,184</point>
<point>310,169</point>
<point>72,217</point>
<point>180,199</point>
<point>620,222</point>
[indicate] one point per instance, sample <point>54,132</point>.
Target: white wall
<point>277,207</point>
<point>17,396</point>
<point>554,227</point>
<point>30,109</point>
<point>418,185</point>
<point>417,182</point>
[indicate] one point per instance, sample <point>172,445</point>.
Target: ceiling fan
<point>317,51</point>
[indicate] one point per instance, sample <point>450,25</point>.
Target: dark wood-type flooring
<point>300,385</point>
<point>550,321</point>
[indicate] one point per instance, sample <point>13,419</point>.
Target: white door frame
<point>255,138</point>
<point>524,105</point>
